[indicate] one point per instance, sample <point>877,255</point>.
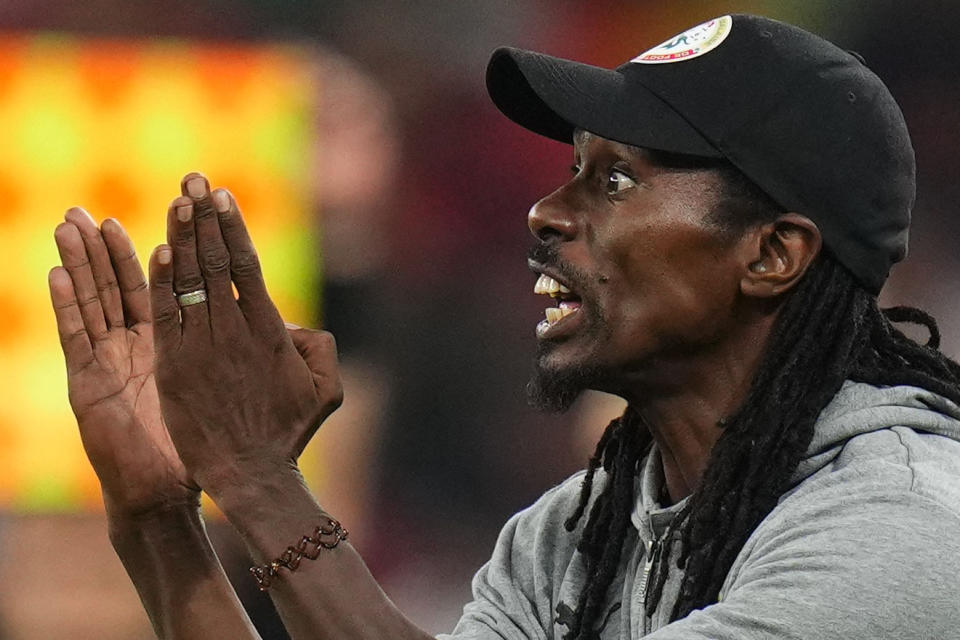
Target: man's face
<point>652,279</point>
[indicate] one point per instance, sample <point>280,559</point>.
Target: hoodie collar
<point>858,408</point>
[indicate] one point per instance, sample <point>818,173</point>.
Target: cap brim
<point>553,97</point>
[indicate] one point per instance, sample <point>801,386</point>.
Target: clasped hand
<point>240,394</point>
<point>237,396</point>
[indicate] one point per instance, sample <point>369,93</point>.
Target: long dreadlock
<point>829,330</point>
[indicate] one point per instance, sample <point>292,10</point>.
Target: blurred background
<point>387,198</point>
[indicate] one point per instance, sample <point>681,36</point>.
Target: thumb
<point>317,348</point>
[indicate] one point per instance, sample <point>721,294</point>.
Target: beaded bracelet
<point>324,537</point>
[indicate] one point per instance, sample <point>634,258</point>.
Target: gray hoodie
<point>865,545</point>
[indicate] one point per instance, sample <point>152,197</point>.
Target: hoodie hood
<point>860,408</point>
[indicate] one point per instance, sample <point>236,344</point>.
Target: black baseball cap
<point>805,120</point>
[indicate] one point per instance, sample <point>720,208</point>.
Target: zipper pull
<point>647,567</point>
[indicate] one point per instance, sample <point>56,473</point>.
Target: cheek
<point>666,287</point>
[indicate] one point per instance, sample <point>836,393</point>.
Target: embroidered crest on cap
<point>692,43</point>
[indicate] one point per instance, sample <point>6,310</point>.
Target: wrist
<point>123,518</point>
<point>270,495</point>
<point>250,482</point>
<point>167,524</point>
<point>270,510</point>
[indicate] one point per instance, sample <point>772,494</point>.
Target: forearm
<point>332,597</point>
<point>178,576</point>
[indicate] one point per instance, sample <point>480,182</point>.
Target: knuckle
<point>184,237</point>
<point>166,314</point>
<point>70,304</point>
<point>72,336</point>
<point>337,399</point>
<point>107,284</point>
<point>140,286</point>
<point>189,282</point>
<point>215,259</point>
<point>328,342</point>
<point>245,263</point>
<point>76,263</point>
<point>204,208</point>
<point>333,399</point>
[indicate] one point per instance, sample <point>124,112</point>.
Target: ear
<point>778,254</point>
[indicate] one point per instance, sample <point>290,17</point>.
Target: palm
<point>118,410</point>
<point>103,318</point>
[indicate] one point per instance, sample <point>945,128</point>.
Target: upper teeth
<point>546,284</point>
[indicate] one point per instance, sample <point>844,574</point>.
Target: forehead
<point>583,140</point>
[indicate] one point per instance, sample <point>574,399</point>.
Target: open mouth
<point>563,315</point>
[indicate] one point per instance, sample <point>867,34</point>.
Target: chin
<point>555,385</point>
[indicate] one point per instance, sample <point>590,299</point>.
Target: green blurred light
<point>279,142</point>
<point>49,137</point>
<point>168,137</point>
<point>292,268</point>
<point>48,492</point>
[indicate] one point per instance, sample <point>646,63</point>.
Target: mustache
<point>548,255</point>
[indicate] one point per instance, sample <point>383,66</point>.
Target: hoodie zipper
<point>652,549</point>
<point>652,546</point>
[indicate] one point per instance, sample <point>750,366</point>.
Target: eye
<point>618,182</point>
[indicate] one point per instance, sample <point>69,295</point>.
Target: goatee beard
<point>555,390</point>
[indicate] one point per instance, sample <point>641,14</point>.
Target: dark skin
<point>687,308</point>
<point>128,353</point>
<point>153,504</point>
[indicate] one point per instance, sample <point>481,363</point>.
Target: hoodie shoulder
<point>900,439</point>
<point>515,591</point>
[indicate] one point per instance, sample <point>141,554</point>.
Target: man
<point>788,464</point>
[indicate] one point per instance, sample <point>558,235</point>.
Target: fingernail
<point>113,222</point>
<point>290,325</point>
<point>221,201</point>
<point>184,212</point>
<point>196,187</point>
<point>163,255</point>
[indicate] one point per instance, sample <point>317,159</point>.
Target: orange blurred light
<point>112,126</point>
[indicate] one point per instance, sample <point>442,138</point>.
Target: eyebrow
<point>579,135</point>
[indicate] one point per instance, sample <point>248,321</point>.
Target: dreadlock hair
<point>829,330</point>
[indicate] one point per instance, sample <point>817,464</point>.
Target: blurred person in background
<point>786,455</point>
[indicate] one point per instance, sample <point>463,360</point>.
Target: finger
<point>132,283</point>
<point>245,271</point>
<point>163,301</point>
<point>186,269</point>
<point>103,274</point>
<point>73,256</point>
<point>211,250</point>
<point>77,349</point>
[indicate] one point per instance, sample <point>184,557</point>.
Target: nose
<point>551,218</point>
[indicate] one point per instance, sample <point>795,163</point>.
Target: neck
<point>683,401</point>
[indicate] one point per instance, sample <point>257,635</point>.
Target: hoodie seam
<point>909,462</point>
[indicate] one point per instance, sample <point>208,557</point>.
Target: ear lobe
<point>782,251</point>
